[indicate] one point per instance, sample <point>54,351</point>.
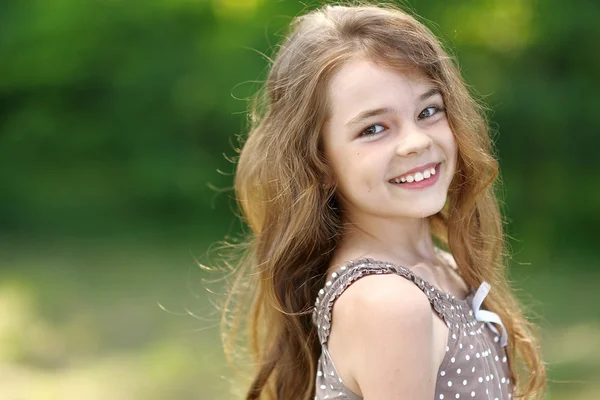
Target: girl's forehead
<point>362,73</point>
<point>361,84</point>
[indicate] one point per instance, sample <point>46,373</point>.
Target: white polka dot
<point>471,346</point>
<point>458,371</point>
<point>340,379</point>
<point>491,376</point>
<point>477,355</point>
<point>472,394</point>
<point>331,386</point>
<point>328,283</point>
<point>449,383</point>
<point>496,339</point>
<point>496,358</point>
<point>480,379</point>
<point>323,387</point>
<point>457,395</point>
<point>447,348</point>
<point>467,357</point>
<point>331,373</point>
<point>334,275</point>
<point>487,378</point>
<point>503,359</point>
<point>465,382</point>
<point>442,373</point>
<point>503,379</point>
<point>460,345</point>
<point>453,336</point>
<point>473,369</point>
<point>319,373</point>
<point>441,396</point>
<point>452,359</point>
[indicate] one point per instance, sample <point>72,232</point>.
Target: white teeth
<point>417,177</point>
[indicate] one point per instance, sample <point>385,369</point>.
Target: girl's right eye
<point>372,130</point>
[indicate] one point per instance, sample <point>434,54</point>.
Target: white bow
<point>487,316</point>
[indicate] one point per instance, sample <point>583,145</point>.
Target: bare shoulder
<point>382,338</point>
<point>378,294</point>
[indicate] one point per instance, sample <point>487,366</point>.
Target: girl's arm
<point>382,339</point>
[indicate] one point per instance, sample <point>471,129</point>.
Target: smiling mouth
<point>427,173</point>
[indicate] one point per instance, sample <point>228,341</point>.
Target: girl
<point>376,265</point>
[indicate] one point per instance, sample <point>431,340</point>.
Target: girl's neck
<point>406,242</point>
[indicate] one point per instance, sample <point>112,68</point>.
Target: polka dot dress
<point>475,365</point>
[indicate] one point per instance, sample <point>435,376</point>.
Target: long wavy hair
<point>295,221</point>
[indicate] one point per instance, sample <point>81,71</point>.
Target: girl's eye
<point>431,110</point>
<point>372,130</point>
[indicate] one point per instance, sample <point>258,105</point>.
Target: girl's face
<point>388,142</point>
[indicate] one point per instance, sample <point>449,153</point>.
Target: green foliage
<point>117,115</point>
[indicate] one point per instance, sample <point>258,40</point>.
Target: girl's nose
<point>413,141</point>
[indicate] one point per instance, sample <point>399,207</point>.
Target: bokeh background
<point>117,120</point>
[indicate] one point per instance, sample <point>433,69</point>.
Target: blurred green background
<point>116,122</point>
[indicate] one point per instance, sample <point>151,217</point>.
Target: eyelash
<point>365,134</point>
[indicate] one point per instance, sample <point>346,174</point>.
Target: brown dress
<point>475,364</point>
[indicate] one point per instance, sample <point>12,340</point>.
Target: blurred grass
<point>88,325</point>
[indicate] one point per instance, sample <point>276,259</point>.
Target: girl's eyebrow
<point>384,110</point>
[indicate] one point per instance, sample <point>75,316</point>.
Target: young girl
<point>376,264</point>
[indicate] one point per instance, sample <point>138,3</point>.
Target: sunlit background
<point>116,122</point>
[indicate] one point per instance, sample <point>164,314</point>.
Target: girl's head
<point>323,76</point>
<point>324,147</point>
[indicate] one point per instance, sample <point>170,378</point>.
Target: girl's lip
<point>418,169</point>
<point>422,184</point>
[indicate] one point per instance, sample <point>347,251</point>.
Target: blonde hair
<point>295,220</point>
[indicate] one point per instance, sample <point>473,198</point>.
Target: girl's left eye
<point>372,130</point>
<point>431,110</point>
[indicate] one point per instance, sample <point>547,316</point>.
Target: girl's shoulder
<point>378,295</point>
<point>378,284</point>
